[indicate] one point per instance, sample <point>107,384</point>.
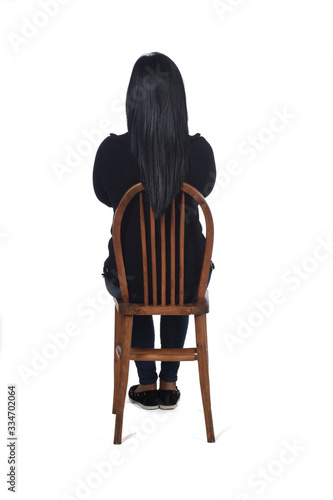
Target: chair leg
<point>202,354</point>
<point>116,363</point>
<point>126,341</point>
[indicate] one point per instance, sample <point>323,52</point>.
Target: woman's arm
<point>202,174</point>
<point>102,161</point>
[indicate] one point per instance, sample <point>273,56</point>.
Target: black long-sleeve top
<point>115,170</point>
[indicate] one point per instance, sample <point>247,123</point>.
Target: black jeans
<point>173,331</point>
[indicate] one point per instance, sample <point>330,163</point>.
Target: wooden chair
<point>124,309</point>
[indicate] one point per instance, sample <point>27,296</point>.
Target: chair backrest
<point>117,221</point>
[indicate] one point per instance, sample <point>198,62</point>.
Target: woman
<point>158,151</point>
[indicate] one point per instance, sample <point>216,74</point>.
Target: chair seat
<point>137,309</point>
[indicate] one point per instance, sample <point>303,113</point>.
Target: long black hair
<point>157,122</point>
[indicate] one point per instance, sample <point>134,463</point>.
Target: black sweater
<point>115,170</point>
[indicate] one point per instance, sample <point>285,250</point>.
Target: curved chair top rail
<point>127,197</point>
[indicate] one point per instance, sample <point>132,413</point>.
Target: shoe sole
<point>171,407</point>
<point>145,407</point>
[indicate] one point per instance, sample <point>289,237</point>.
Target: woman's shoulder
<point>124,138</point>
<point>114,150</point>
<point>115,140</point>
<point>194,137</point>
<point>198,141</point>
<point>119,137</point>
<point>200,147</point>
<point>113,144</point>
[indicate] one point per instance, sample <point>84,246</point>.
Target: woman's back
<point>116,170</point>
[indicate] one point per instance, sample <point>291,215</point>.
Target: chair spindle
<point>172,257</point>
<point>153,255</point>
<point>181,250</point>
<point>163,262</point>
<point>144,251</point>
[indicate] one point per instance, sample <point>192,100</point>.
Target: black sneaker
<point>146,399</point>
<point>168,399</point>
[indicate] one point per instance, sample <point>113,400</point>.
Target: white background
<point>242,62</point>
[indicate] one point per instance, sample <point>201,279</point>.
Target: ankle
<point>167,386</point>
<point>146,387</point>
